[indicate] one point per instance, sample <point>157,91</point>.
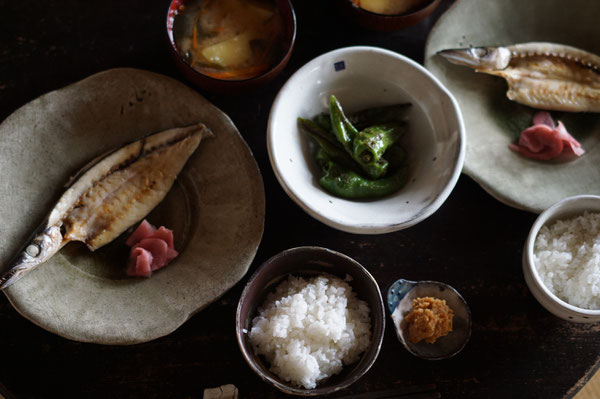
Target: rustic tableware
<point>363,77</point>
<point>310,261</point>
<point>386,23</point>
<point>222,86</point>
<point>566,208</point>
<point>216,208</point>
<point>400,296</point>
<point>492,121</point>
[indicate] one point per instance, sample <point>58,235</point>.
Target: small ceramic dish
<point>400,296</point>
<point>223,86</point>
<point>306,262</point>
<point>387,23</point>
<point>363,77</point>
<point>567,208</point>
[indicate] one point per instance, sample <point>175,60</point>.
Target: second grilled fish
<point>110,195</point>
<point>541,75</point>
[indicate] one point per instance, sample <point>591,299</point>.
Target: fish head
<point>479,58</point>
<point>41,247</point>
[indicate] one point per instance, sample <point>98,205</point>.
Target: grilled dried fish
<point>109,195</point>
<point>541,75</point>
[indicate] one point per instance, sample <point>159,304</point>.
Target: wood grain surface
<point>474,243</point>
<point>591,390</point>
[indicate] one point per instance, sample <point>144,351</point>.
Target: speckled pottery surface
<point>216,208</point>
<point>492,121</point>
<point>363,77</point>
<point>400,296</point>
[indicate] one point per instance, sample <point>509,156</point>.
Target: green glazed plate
<point>216,208</point>
<point>492,121</point>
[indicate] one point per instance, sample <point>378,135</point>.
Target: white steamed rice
<point>308,329</point>
<point>567,257</point>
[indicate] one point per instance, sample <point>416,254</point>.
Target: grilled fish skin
<point>541,75</point>
<point>110,195</point>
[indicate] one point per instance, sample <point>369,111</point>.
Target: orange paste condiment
<point>429,319</point>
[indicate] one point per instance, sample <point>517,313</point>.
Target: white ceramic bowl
<point>362,77</point>
<point>566,208</point>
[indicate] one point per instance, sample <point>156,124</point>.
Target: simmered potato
<point>229,39</point>
<point>230,53</point>
<point>389,7</point>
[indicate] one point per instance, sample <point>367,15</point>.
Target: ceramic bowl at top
<point>363,77</point>
<point>412,13</point>
<point>309,262</point>
<point>225,86</point>
<point>567,208</point>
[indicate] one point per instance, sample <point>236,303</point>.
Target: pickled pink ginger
<point>151,249</point>
<point>545,140</point>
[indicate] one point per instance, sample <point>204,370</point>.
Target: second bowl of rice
<point>310,321</point>
<point>561,259</point>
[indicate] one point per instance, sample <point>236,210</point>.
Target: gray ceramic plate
<point>216,208</point>
<point>492,121</point>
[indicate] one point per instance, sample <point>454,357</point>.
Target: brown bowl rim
<point>430,3</point>
<point>284,58</point>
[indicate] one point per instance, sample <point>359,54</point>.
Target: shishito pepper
<point>395,113</point>
<point>352,159</point>
<point>327,142</point>
<point>396,156</point>
<point>356,143</point>
<point>370,144</point>
<point>343,130</point>
<point>346,183</point>
<point>324,121</point>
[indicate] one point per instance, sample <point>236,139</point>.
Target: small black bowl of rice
<point>561,259</point>
<point>310,321</point>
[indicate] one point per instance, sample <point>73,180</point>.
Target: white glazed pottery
<point>568,207</point>
<point>363,77</point>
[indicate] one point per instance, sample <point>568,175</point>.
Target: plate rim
<point>255,178</point>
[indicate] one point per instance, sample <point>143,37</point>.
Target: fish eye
<point>480,52</point>
<point>32,250</point>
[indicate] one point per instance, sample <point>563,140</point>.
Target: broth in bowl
<point>229,39</point>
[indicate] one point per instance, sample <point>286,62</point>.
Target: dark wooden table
<point>473,242</point>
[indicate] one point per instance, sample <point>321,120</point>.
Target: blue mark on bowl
<point>339,66</point>
<point>397,291</point>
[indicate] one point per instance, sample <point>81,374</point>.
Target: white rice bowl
<point>309,329</point>
<point>567,258</point>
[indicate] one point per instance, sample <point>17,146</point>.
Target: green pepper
<point>346,183</point>
<point>352,161</point>
<point>331,147</point>
<point>370,145</point>
<point>395,113</point>
<point>341,126</point>
<point>324,121</point>
<point>314,129</point>
<point>396,156</point>
<point>347,134</point>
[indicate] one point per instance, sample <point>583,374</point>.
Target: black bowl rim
<point>289,389</point>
